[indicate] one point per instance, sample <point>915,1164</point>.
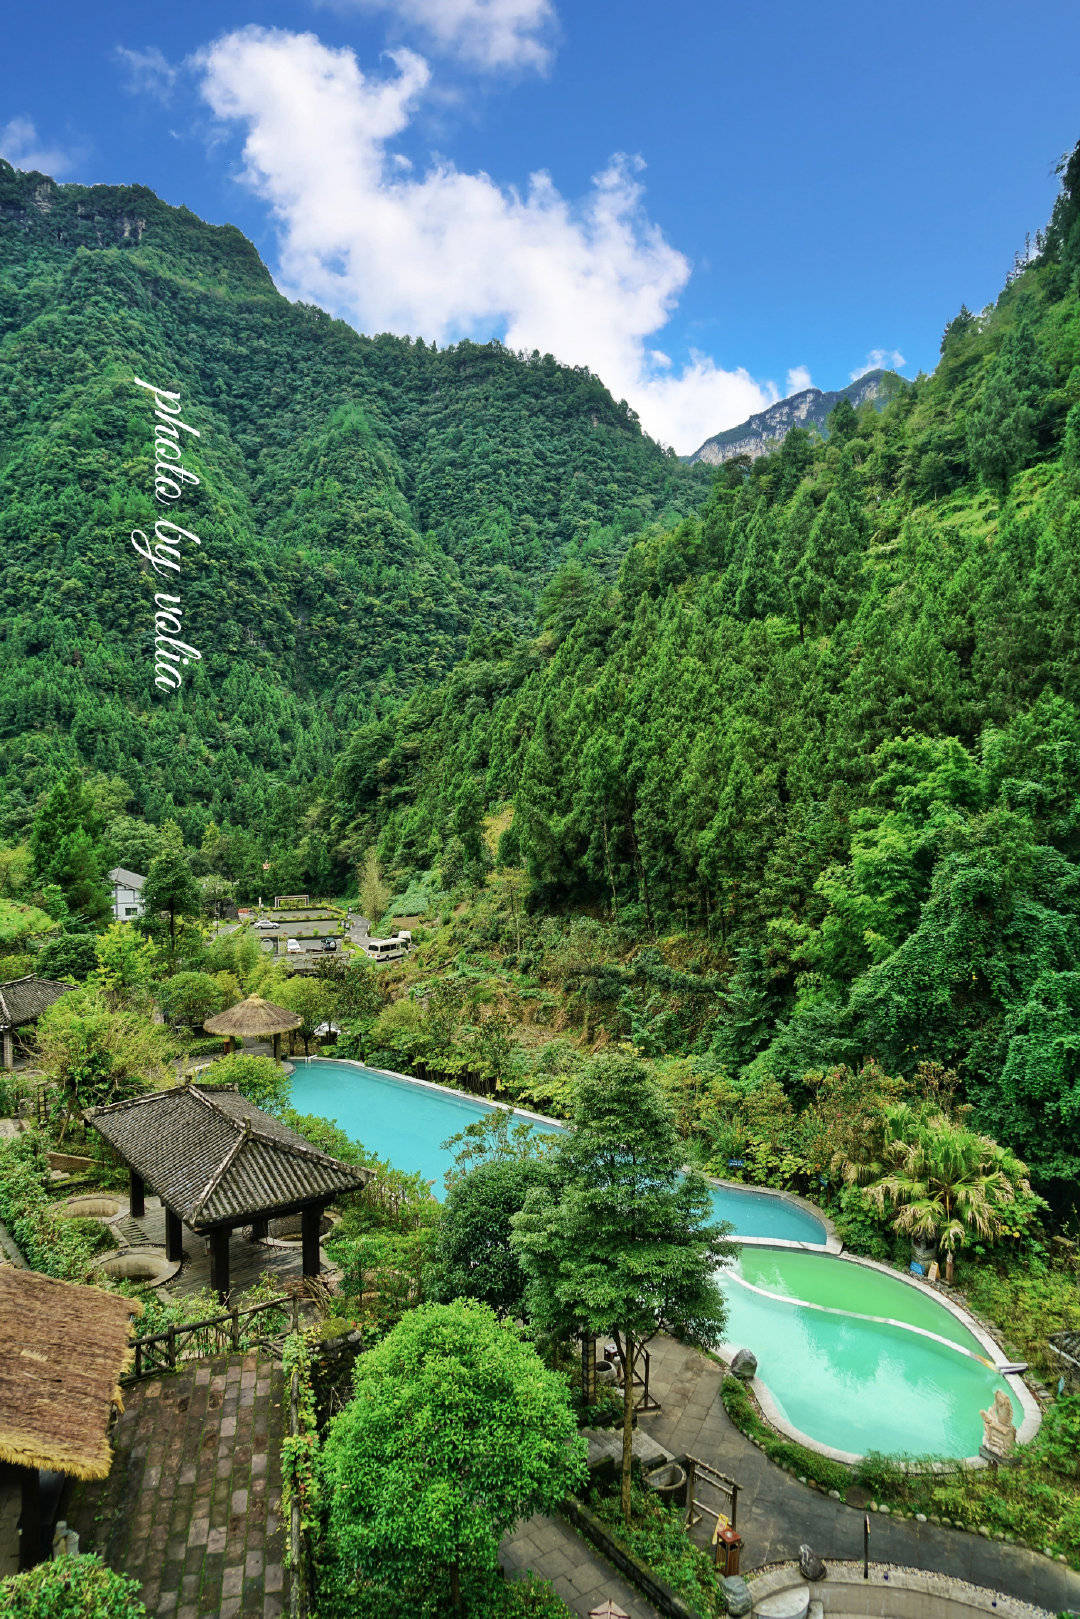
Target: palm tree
<point>946,1182</point>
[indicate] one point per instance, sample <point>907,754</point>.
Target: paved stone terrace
<point>550,1548</point>
<point>192,1506</point>
<point>776,1513</point>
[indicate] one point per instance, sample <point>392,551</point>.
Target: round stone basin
<point>93,1206</point>
<point>668,1482</point>
<point>288,1228</point>
<point>144,1267</point>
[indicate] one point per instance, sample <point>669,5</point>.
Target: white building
<point>127,897</point>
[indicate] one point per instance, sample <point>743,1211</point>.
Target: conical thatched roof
<point>62,1350</point>
<point>253,1019</point>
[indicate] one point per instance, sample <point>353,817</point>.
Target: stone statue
<point>999,1429</point>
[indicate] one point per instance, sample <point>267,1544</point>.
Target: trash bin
<point>728,1546</point>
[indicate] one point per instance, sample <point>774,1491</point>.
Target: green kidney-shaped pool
<point>911,1380</point>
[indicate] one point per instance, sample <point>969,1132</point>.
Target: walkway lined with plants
<point>192,1505</point>
<point>777,1514</point>
<point>550,1548</point>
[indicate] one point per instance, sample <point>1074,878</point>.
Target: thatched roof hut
<point>62,1350</point>
<point>253,1019</point>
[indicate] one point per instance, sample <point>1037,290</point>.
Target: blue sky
<point>703,202</point>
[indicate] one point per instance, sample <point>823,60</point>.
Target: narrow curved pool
<point>406,1122</point>
<point>855,1359</point>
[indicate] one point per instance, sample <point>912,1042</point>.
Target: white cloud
<point>21,145</point>
<point>880,359</point>
<point>493,35</point>
<point>149,71</point>
<point>444,254</point>
<point>798,380</point>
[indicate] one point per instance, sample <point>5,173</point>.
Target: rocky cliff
<point>810,409</point>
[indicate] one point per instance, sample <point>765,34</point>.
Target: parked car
<point>293,947</point>
<point>329,943</point>
<point>264,922</point>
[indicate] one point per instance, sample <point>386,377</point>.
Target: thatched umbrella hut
<point>62,1350</point>
<point>253,1019</point>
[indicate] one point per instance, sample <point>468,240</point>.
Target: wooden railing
<point>703,1476</point>
<point>193,1340</point>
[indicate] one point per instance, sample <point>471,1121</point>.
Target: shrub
<point>260,1079</point>
<point>656,1536</point>
<point>50,1243</point>
<point>71,1588</point>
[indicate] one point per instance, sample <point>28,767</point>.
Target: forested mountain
<point>810,408</point>
<point>365,504</point>
<point>829,725</point>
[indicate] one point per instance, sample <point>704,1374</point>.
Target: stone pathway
<point>777,1514</point>
<point>550,1548</point>
<point>192,1505</point>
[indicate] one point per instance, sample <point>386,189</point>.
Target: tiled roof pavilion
<point>217,1162</point>
<point>22,1001</point>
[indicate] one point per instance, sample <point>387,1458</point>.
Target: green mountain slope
<point>364,503</point>
<point>829,726</point>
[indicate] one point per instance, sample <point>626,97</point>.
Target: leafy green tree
<point>312,1002</point>
<point>126,959</point>
<point>456,1432</point>
<point>261,1079</point>
<point>68,807</point>
<point>1033,1100</point>
<point>68,955</point>
<point>98,1054</point>
<point>216,892</point>
<point>473,1256</point>
<point>618,1238</point>
<point>190,998</point>
<point>353,986</point>
<point>1003,430</point>
<point>170,890</point>
<point>374,893</point>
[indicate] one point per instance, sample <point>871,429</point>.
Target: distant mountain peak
<point>809,408</point>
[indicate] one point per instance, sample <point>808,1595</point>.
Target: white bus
<point>389,949</point>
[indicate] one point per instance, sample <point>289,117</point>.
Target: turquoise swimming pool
<point>854,1359</point>
<point>857,1359</point>
<point>407,1122</point>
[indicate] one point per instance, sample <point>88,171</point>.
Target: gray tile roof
<point>129,879</point>
<point>24,999</point>
<point>214,1158</point>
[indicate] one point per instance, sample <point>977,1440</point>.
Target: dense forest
<point>799,742</point>
<point>364,504</point>
<point>827,728</point>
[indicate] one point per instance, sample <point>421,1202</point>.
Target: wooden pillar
<point>174,1236</point>
<point>9,1050</point>
<point>30,1552</point>
<point>219,1260</point>
<point>277,1048</point>
<point>137,1197</point>
<point>259,1230</point>
<point>310,1221</point>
